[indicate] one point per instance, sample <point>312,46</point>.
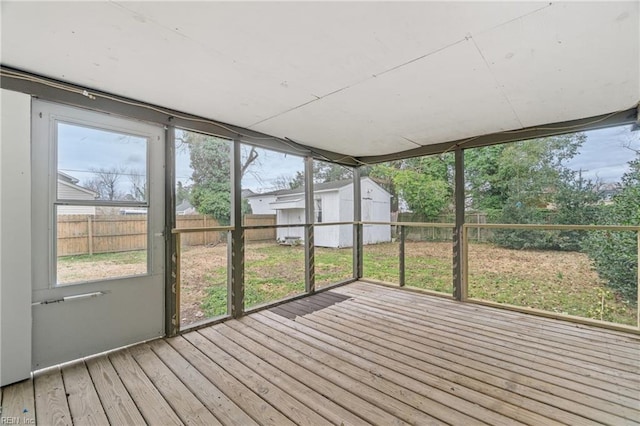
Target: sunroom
<point>504,291</point>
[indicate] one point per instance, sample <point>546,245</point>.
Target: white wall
<point>346,215</point>
<point>287,217</point>
<point>376,207</point>
<point>15,237</point>
<point>71,192</point>
<point>328,236</point>
<point>260,204</point>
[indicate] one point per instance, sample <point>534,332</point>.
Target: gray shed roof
<point>325,186</point>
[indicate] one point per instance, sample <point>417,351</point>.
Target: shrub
<point>615,254</point>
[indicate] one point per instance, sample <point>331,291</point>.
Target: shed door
<point>98,220</point>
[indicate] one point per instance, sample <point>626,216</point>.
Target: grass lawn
<point>273,272</point>
<point>561,282</point>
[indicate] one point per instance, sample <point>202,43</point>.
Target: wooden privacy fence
<point>259,220</point>
<point>88,234</point>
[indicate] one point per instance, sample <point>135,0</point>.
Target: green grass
<point>547,290</point>
<point>273,272</point>
<point>520,278</point>
<point>428,273</point>
<point>596,303</point>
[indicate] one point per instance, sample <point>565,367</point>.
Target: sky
<point>602,157</point>
<point>260,177</point>
<point>83,149</point>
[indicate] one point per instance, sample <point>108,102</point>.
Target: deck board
<point>83,399</point>
<point>52,407</point>
<point>332,385</point>
<point>448,316</point>
<point>355,355</point>
<point>245,397</point>
<point>182,401</point>
<point>216,401</point>
<point>116,401</point>
<point>18,402</point>
<point>397,321</point>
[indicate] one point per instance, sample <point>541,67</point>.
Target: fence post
<point>90,234</point>
<point>402,253</point>
<point>204,225</point>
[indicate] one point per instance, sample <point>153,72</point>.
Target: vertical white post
<point>15,237</point>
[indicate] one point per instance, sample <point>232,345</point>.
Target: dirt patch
<point>198,267</point>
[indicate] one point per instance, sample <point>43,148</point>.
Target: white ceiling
<point>359,78</point>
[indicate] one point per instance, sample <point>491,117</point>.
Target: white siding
<point>337,206</point>
<point>67,191</point>
<point>328,236</point>
<point>86,210</point>
<point>68,210</point>
<point>290,216</point>
<point>15,237</point>
<point>376,207</point>
<point>346,215</point>
<point>260,204</point>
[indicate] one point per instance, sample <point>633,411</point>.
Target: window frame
<point>101,122</point>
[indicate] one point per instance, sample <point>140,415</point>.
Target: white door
<point>98,242</point>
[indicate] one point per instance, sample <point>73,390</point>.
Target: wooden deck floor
<point>383,356</point>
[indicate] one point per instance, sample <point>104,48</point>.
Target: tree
<point>105,183</point>
<point>138,181</point>
<point>330,172</point>
<point>297,181</point>
<point>210,159</point>
<point>523,174</point>
<point>529,182</point>
<point>182,192</point>
<point>425,183</point>
<point>615,254</point>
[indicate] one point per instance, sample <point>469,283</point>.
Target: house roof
<point>317,187</point>
<point>77,187</point>
<point>67,178</point>
<point>355,78</point>
<point>184,206</point>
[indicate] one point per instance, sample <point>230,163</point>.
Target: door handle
<point>70,298</point>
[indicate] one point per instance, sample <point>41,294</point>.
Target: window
<point>100,204</point>
<point>318,210</point>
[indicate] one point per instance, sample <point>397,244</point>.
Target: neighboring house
<point>333,202</point>
<point>68,189</point>
<point>185,208</point>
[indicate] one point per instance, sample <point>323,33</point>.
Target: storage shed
<point>333,202</point>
